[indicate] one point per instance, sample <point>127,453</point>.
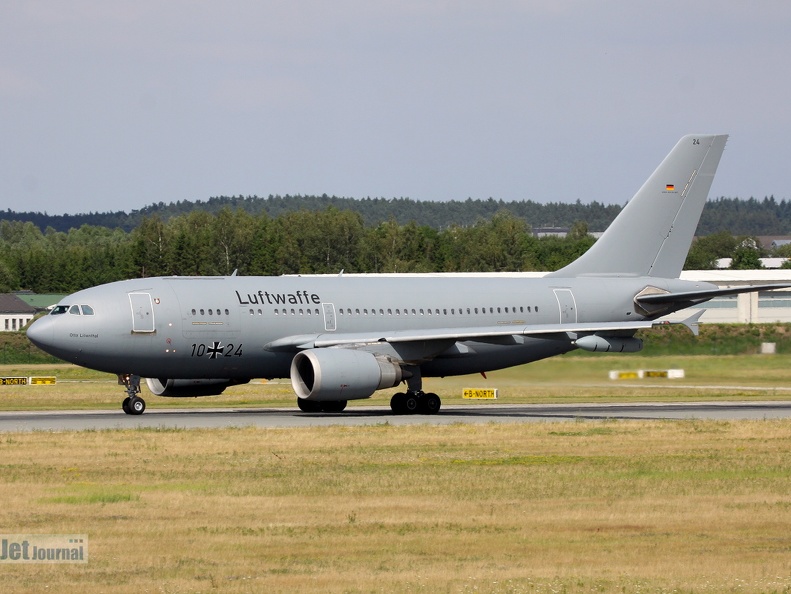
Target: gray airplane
<point>341,338</point>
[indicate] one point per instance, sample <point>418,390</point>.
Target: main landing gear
<point>132,404</point>
<point>415,400</point>
<point>411,403</point>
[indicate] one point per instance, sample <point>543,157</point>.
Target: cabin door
<point>142,312</point>
<point>567,306</point>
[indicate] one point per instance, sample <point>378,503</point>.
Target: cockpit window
<point>74,310</point>
<point>87,310</point>
<point>59,309</point>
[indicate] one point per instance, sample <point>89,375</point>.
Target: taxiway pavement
<point>374,415</point>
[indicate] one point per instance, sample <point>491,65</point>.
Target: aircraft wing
<point>314,341</point>
<point>691,297</point>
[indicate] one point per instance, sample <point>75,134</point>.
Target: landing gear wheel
<point>333,406</point>
<point>136,406</point>
<point>397,403</point>
<point>430,404</point>
<point>308,405</point>
<point>132,404</point>
<point>411,404</point>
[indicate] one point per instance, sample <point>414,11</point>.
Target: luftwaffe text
<point>266,298</point>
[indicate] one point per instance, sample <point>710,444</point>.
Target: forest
<point>740,217</point>
<point>321,237</point>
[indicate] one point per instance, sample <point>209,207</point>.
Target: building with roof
<point>41,302</point>
<point>15,314</point>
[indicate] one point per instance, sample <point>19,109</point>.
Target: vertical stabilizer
<point>652,234</point>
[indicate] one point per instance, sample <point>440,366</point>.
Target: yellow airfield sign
<point>13,381</point>
<point>42,381</point>
<point>27,381</point>
<point>480,393</point>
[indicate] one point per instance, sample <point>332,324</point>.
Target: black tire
<point>308,405</point>
<point>333,406</point>
<point>136,406</point>
<point>397,403</point>
<point>125,405</point>
<point>430,404</point>
<point>411,404</point>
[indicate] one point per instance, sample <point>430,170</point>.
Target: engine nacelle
<point>341,374</point>
<point>185,388</point>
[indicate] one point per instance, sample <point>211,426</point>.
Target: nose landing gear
<point>132,404</point>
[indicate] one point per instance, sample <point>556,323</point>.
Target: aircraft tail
<point>652,234</point>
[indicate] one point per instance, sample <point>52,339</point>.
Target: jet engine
<point>341,374</point>
<point>188,387</point>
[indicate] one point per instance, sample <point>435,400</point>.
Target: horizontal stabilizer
<point>692,297</point>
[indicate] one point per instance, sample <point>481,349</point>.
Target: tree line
<point>438,215</point>
<point>300,242</point>
<point>741,217</point>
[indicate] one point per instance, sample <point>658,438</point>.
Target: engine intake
<point>341,374</point>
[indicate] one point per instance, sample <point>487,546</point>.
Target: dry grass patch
<point>558,507</point>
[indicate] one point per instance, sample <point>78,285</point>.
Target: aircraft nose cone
<point>40,333</point>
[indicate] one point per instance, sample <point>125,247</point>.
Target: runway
<point>271,418</point>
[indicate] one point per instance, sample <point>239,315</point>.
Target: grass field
<point>553,507</point>
<point>560,379</point>
<point>576,507</point>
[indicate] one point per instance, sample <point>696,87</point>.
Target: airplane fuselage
<point>229,327</point>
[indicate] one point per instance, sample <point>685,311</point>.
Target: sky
<point>108,106</point>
